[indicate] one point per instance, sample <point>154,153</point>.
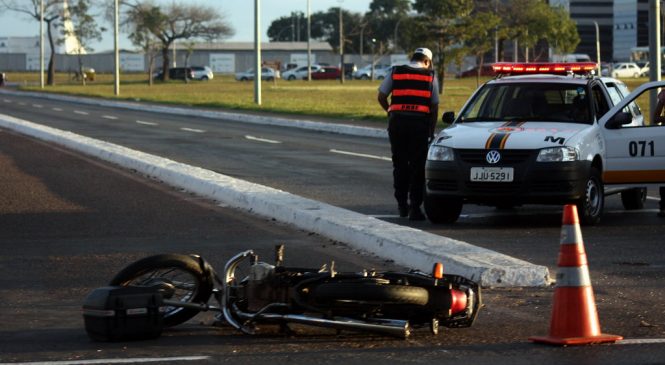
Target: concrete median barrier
<point>406,246</point>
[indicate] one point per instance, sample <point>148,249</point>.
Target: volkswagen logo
<point>493,157</point>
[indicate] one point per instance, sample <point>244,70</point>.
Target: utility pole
<point>116,51</point>
<point>341,45</point>
<point>41,44</point>
<point>257,52</point>
<point>309,42</point>
<point>595,23</point>
<point>654,48</point>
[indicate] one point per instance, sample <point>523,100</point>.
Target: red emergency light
<point>511,68</point>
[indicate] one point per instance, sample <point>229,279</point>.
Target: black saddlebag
<point>117,313</point>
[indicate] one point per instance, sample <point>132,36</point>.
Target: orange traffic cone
<point>574,316</point>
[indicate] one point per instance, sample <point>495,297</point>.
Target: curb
<point>406,246</point>
<point>352,130</point>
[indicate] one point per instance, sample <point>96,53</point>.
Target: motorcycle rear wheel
<point>179,277</point>
<point>371,292</point>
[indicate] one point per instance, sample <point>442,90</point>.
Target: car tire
<point>442,210</point>
<point>364,77</point>
<point>291,78</point>
<point>270,78</point>
<point>243,79</point>
<point>636,75</point>
<point>590,206</point>
<point>634,199</point>
<point>204,78</point>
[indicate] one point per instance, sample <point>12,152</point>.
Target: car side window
<point>599,100</point>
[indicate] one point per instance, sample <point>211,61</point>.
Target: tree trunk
<point>165,62</point>
<point>51,63</point>
<point>81,72</point>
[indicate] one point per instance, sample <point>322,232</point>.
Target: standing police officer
<point>412,114</point>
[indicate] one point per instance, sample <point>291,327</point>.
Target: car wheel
<point>291,78</point>
<point>243,79</point>
<point>204,78</point>
<point>364,77</point>
<point>636,75</point>
<point>442,210</point>
<point>634,198</point>
<point>380,78</point>
<point>590,206</point>
<point>270,78</point>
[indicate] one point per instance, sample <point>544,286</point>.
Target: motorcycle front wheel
<point>178,277</point>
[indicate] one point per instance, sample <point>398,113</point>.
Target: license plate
<point>492,174</point>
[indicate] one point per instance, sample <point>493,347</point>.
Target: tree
<point>83,28</point>
<point>563,37</point>
<point>441,26</point>
<point>52,10</point>
<point>177,21</point>
<point>478,40</point>
<point>141,19</point>
<point>385,17</point>
<point>291,28</point>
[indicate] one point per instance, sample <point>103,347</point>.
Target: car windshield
<point>558,102</point>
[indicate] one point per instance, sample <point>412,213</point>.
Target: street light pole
<point>597,47</point>
<point>341,44</point>
<point>116,52</point>
<point>41,44</point>
<point>309,42</point>
<point>257,52</point>
<point>654,47</point>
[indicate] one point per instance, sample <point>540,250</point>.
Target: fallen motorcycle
<point>167,290</point>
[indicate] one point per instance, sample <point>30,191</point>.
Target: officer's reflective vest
<point>412,90</point>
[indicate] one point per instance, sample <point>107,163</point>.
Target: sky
<point>239,13</point>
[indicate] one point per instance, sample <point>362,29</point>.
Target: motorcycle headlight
<point>558,154</point>
<point>440,153</point>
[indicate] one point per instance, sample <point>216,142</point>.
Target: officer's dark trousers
<point>408,142</point>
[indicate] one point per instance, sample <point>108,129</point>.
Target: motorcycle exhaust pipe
<point>392,327</point>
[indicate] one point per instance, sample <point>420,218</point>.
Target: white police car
<point>546,134</point>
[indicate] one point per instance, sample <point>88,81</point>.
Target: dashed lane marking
<point>57,109</point>
<point>80,112</point>
<point>38,106</point>
<point>112,361</point>
<point>192,130</point>
<point>146,123</point>
<point>361,155</point>
<point>252,138</point>
<point>109,117</point>
<point>6,100</point>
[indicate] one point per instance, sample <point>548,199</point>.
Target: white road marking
<point>57,109</point>
<point>22,104</point>
<point>6,100</point>
<point>192,130</point>
<point>642,341</point>
<point>80,112</point>
<point>361,155</point>
<point>111,361</point>
<point>109,117</point>
<point>252,138</point>
<point>146,123</point>
<point>38,106</point>
<point>653,198</point>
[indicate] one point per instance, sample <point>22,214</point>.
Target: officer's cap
<point>424,51</point>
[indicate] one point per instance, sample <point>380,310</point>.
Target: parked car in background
<point>365,72</point>
<point>267,74</point>
<point>326,73</point>
<point>177,73</point>
<point>382,73</point>
<point>202,73</point>
<point>298,73</point>
<point>349,69</point>
<point>626,69</point>
<point>486,70</point>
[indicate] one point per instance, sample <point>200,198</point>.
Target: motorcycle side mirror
<point>618,120</point>
<point>448,117</point>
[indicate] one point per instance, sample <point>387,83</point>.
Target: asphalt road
<point>68,223</point>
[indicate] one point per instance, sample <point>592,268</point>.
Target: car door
<point>634,152</point>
